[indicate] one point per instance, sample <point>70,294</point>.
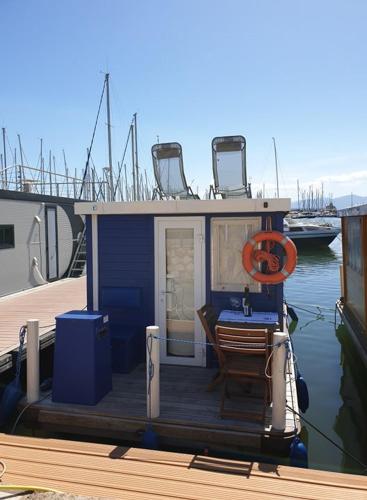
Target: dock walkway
<point>43,303</point>
<point>107,471</point>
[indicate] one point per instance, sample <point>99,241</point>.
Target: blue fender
<point>150,439</point>
<point>302,393</point>
<point>298,454</point>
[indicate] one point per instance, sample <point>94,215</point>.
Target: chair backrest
<point>242,341</point>
<point>229,166</point>
<point>208,318</point>
<point>169,170</point>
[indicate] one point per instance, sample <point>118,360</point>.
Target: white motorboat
<point>310,234</point>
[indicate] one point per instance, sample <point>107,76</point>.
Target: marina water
<point>328,362</point>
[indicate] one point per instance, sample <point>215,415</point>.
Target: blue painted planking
<point>126,260</point>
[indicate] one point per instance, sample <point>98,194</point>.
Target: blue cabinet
<point>82,361</point>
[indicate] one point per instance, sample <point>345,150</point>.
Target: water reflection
<point>335,383</point>
<point>350,422</point>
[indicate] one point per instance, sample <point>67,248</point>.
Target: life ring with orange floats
<point>252,255</point>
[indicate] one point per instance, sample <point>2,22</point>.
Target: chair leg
<point>218,378</point>
<point>224,393</point>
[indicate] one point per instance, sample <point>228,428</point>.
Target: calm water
<point>326,359</point>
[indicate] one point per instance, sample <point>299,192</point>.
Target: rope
<point>237,344</point>
<point>150,371</point>
<point>22,333</point>
<point>26,408</point>
<point>3,469</point>
<point>330,440</point>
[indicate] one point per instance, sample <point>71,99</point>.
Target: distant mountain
<point>344,201</point>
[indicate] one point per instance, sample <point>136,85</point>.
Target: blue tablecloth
<point>267,318</point>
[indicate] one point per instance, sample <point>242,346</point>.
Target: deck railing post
<point>279,381</point>
<point>33,371</point>
<point>152,346</point>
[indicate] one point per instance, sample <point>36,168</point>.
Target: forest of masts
<point>127,182</point>
<point>310,199</point>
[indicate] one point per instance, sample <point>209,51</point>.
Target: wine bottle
<point>247,309</point>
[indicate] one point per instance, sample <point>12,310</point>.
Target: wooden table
<point>258,319</point>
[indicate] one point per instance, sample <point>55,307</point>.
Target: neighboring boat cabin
<point>157,262</point>
<point>353,303</point>
<point>38,235</point>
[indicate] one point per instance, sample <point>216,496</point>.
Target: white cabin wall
<point>16,270</point>
<point>16,263</point>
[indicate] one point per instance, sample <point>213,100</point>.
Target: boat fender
<point>251,254</point>
<point>302,393</point>
<point>150,439</point>
<point>298,454</point>
<point>292,313</point>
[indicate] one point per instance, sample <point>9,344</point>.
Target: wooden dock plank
<point>107,471</point>
<point>43,303</point>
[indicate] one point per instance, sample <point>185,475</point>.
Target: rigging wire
<point>92,140</point>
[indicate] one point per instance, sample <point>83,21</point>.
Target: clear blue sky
<point>192,70</point>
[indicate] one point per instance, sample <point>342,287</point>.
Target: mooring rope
<point>330,440</point>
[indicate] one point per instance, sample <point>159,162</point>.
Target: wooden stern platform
<point>107,471</point>
<point>43,303</point>
<point>189,416</point>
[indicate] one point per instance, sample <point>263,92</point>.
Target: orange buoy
<point>250,254</point>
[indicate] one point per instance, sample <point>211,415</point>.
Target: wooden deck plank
<point>43,303</point>
<point>107,471</point>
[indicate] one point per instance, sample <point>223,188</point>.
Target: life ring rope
<point>249,256</point>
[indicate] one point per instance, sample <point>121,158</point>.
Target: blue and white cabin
<point>157,262</point>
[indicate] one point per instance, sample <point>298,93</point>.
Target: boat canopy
<point>169,172</point>
<point>229,167</point>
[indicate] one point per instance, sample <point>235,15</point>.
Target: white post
<point>33,362</point>
<point>152,345</point>
<point>279,381</point>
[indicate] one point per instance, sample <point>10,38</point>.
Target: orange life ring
<point>290,261</point>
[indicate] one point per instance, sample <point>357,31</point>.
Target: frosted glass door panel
<point>180,291</point>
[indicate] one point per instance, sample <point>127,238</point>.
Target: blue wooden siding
<point>126,270</point>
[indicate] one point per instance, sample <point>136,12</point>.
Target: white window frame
<point>216,222</point>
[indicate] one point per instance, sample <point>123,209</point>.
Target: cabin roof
<point>185,206</point>
<point>352,211</point>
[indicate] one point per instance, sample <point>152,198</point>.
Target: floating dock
<point>189,414</point>
<point>43,303</point>
<point>108,471</point>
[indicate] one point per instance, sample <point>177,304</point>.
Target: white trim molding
<point>95,262</point>
<point>167,207</point>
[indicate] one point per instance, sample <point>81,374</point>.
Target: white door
<point>180,288</point>
<point>51,243</point>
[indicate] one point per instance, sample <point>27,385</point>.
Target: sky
<point>193,69</point>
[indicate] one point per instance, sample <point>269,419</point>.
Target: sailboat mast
<point>136,159</point>
<point>276,165</point>
<point>5,178</point>
<point>111,190</point>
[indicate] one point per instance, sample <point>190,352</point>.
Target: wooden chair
<point>208,318</point>
<point>243,355</point>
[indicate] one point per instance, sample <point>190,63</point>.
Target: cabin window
<point>354,244</point>
<point>6,236</point>
<point>228,238</point>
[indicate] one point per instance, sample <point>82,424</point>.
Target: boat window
<point>354,244</point>
<point>228,236</point>
<point>295,228</point>
<point>6,236</point>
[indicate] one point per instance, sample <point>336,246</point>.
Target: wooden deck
<point>107,471</point>
<point>43,303</point>
<point>189,413</point>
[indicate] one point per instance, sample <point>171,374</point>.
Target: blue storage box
<point>82,361</point>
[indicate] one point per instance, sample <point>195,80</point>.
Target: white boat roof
<point>247,205</point>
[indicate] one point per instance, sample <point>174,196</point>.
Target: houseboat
<point>352,304</point>
<point>152,266</point>
<point>39,235</point>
